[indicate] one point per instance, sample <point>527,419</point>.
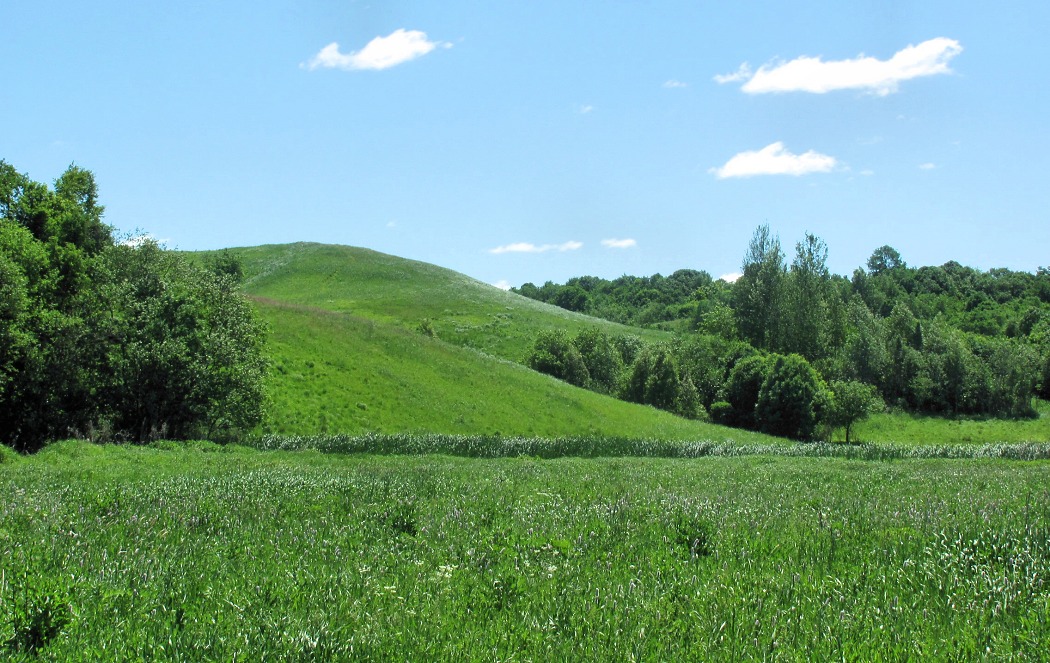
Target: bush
<point>742,390</point>
<point>556,356</point>
<point>791,399</point>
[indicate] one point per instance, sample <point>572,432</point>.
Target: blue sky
<point>534,141</point>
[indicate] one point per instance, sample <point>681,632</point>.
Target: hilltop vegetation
<point>793,350</point>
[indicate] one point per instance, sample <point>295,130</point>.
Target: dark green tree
<point>602,359</point>
<point>792,399</point>
<point>742,390</point>
<point>554,354</point>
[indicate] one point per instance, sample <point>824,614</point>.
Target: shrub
<point>791,399</point>
<point>556,356</point>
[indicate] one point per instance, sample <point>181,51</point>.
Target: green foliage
<point>554,354</point>
<point>792,398</point>
<point>40,610</point>
<point>641,301</point>
<point>742,390</point>
<point>187,358</point>
<point>758,293</point>
<point>101,337</point>
<point>851,401</point>
<point>602,359</point>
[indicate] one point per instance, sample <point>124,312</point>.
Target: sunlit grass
<point>200,552</point>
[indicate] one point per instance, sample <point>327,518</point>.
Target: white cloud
<point>584,109</point>
<point>741,74</point>
<point>502,284</point>
<point>527,247</point>
<point>927,166</point>
<point>774,159</point>
<point>881,77</point>
<point>381,53</point>
<point>731,277</point>
<point>671,84</point>
<point>619,243</point>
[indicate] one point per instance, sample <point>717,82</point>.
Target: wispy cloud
<point>584,109</point>
<point>673,84</point>
<point>881,77</point>
<point>774,159</point>
<point>619,243</point>
<point>927,166</point>
<point>731,277</point>
<point>398,47</point>
<point>741,74</point>
<point>527,247</point>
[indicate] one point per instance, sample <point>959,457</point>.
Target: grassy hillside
<point>339,373</point>
<point>348,356</point>
<point>392,290</point>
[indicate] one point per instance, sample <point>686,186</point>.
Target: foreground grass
<point>198,552</point>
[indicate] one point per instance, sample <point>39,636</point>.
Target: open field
<point>199,552</point>
<point>916,429</point>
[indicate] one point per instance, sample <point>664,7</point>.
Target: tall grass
<point>483,446</point>
<point>199,552</point>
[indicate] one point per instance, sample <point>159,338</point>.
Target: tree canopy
<point>113,340</point>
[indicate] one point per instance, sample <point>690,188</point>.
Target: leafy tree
<point>850,402</point>
<point>757,294</point>
<point>807,316</point>
<point>101,336</point>
<point>571,298</point>
<point>742,390</point>
<point>792,398</point>
<point>188,358</point>
<point>884,259</point>
<point>555,355</point>
<point>602,359</point>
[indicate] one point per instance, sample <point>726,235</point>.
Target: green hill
<point>348,357</point>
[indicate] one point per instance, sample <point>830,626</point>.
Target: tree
<point>757,294</point>
<point>555,355</point>
<point>807,314</point>
<point>884,259</point>
<point>131,340</point>
<point>742,390</point>
<point>851,401</point>
<point>602,359</point>
<point>791,400</point>
<point>187,360</point>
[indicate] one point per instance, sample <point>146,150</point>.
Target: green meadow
<point>423,496</point>
<point>200,552</point>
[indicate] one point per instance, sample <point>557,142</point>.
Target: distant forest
<point>949,339</point>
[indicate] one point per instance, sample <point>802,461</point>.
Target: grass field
<point>198,552</point>
<point>905,428</point>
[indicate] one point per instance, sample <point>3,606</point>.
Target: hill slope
<point>347,356</point>
<point>403,292</point>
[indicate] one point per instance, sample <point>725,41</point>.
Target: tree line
<point>948,340</point>
<point>114,340</point>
